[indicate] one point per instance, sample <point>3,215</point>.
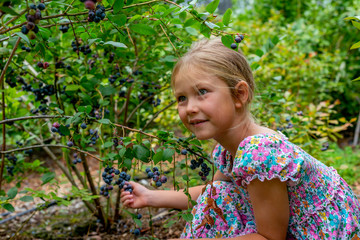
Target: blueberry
<point>137,232</point>
<point>150,174</point>
<point>183,152</point>
<point>74,161</point>
<point>238,39</point>
<point>117,172</point>
<point>70,144</point>
<point>158,184</point>
<point>54,129</point>
<point>163,179</point>
<point>155,169</point>
<point>233,46</point>
<point>83,125</point>
<point>41,6</point>
<point>148,170</point>
<point>78,160</point>
<point>139,216</point>
<point>32,6</point>
<point>128,177</point>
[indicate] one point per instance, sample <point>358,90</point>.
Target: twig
<point>50,145</point>
<point>14,18</point>
<point>70,5</point>
<point>3,107</point>
<point>32,117</point>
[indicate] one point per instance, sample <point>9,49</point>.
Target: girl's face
<point>205,104</point>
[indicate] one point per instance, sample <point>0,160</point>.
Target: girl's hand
<point>138,198</point>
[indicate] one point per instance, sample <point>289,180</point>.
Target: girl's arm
<point>143,197</point>
<point>270,204</point>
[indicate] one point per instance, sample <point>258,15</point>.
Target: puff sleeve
<point>267,157</point>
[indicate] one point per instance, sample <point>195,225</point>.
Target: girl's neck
<point>246,127</point>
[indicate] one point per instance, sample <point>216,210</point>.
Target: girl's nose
<point>192,107</point>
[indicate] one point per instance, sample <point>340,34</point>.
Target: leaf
<point>119,19</point>
<point>86,109</point>
<point>64,130</point>
<point>108,144</point>
<point>104,121</point>
<point>259,52</point>
<point>211,25</point>
<point>158,156</point>
<point>227,40</point>
<point>107,90</point>
<point>8,207</point>
<point>27,199</point>
<point>168,153</point>
<point>356,45</point>
<point>8,10</point>
<point>47,177</point>
<point>118,5</point>
<point>24,37</point>
<point>141,153</point>
<point>353,18</point>
<point>191,31</point>
<point>12,192</point>
<point>227,16</point>
<point>116,44</point>
<point>138,222</point>
<point>356,79</point>
<point>356,24</point>
<point>72,87</point>
<point>211,7</point>
<point>142,29</point>
<point>188,217</point>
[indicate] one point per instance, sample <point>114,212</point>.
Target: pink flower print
<point>260,154</point>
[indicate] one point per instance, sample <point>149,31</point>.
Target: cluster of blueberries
<point>96,12</point>
<point>108,177</point>
<point>64,28</point>
<point>25,48</point>
<point>43,65</point>
<point>76,159</point>
<point>117,142</point>
<point>11,78</point>
<point>205,170</point>
<point>238,39</point>
<point>33,17</point>
<point>155,175</point>
<point>84,49</point>
<point>61,64</point>
<point>94,136</point>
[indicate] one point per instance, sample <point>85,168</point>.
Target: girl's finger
<point>127,203</point>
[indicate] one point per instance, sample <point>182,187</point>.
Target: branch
<point>50,145</point>
<point>3,107</point>
<point>32,117</point>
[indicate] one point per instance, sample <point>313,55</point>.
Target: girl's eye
<point>202,91</point>
<point>181,98</point>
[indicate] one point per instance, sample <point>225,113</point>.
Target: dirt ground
<point>75,221</point>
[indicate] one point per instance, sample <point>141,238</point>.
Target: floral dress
<point>322,205</point>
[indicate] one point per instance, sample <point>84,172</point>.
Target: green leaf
<point>185,177</point>
<point>127,163</point>
<point>116,44</point>
<point>8,207</point>
<point>141,153</point>
<point>104,121</point>
<point>64,130</point>
<point>138,222</point>
<point>211,7</point>
<point>118,5</point>
<point>24,37</point>
<point>188,217</point>
<point>227,40</point>
<point>158,156</point>
<point>119,19</point>
<point>12,192</point>
<point>356,24</point>
<point>47,177</point>
<point>227,16</point>
<point>27,199</point>
<point>254,66</point>
<point>168,154</point>
<point>356,45</point>
<point>211,25</point>
<point>142,29</point>
<point>86,109</point>
<point>353,18</point>
<point>259,52</point>
<point>72,87</point>
<point>275,40</point>
<point>356,79</point>
<point>8,10</point>
<point>191,31</point>
<point>108,144</point>
<point>107,90</point>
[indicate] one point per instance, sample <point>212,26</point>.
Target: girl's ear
<point>241,94</point>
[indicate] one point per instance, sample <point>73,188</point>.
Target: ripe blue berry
<point>70,144</point>
<point>183,152</point>
<point>233,46</point>
<point>83,125</point>
<point>163,179</point>
<point>139,216</point>
<point>158,184</point>
<point>137,232</point>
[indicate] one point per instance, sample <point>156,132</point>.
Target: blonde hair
<point>214,58</point>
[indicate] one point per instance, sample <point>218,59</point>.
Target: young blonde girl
<point>265,187</point>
